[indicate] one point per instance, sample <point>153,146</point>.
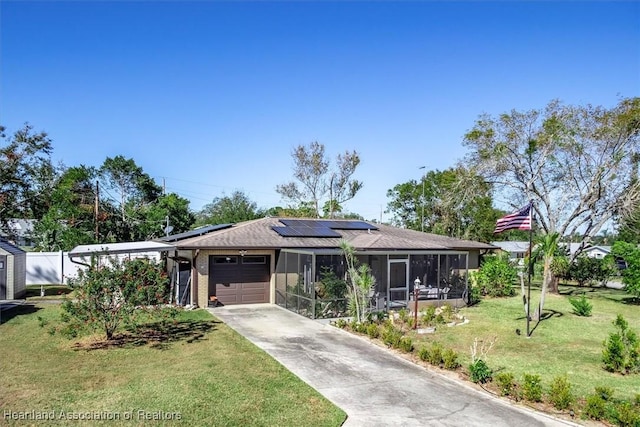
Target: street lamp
<point>422,220</point>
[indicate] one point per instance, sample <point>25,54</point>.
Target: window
<point>225,260</point>
<point>254,260</point>
<point>1,265</point>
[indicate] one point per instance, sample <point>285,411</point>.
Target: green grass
<point>562,344</point>
<point>198,368</point>
<point>51,292</point>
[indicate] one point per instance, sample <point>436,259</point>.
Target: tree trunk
<point>553,285</point>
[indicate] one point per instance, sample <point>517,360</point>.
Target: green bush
<point>435,353</point>
<point>480,372</point>
<point>450,359</point>
<point>428,315</point>
<point>475,295</point>
<point>630,275</point>
<point>330,286</point>
<point>586,270</point>
<point>506,383</point>
<point>621,351</point>
<point>372,330</point>
<point>341,323</point>
<point>606,393</point>
<point>423,353</point>
<point>560,394</point>
<point>391,336</point>
<point>406,344</point>
<point>595,407</point>
<point>496,276</point>
<point>403,315</point>
<point>581,306</point>
<point>114,294</point>
<point>627,415</point>
<point>532,387</point>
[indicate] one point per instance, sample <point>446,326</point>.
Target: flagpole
<point>529,280</point>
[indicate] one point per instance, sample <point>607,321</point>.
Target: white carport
<point>147,249</point>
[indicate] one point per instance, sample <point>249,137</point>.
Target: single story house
<point>298,264</point>
<point>516,250</point>
<point>13,268</point>
<point>19,232</point>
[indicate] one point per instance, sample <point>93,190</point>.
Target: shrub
<point>427,316</point>
<point>532,388</point>
<point>450,359</point>
<point>406,344</point>
<point>506,383</point>
<point>114,294</point>
<point>560,394</point>
<point>435,354</point>
<point>480,372</point>
<point>475,295</point>
<point>423,353</point>
<point>586,270</point>
<point>581,306</point>
<point>403,315</point>
<point>595,407</point>
<point>391,336</point>
<point>630,275</point>
<point>621,351</point>
<point>372,330</point>
<point>341,323</point>
<point>496,276</point>
<point>627,415</point>
<point>606,393</point>
<point>331,287</point>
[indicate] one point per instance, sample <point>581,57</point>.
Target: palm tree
<point>546,247</point>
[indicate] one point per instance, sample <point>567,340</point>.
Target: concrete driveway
<point>372,385</point>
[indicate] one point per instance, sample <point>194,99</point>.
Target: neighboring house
<point>19,232</point>
<point>13,261</point>
<point>516,250</point>
<point>283,261</point>
<point>597,251</point>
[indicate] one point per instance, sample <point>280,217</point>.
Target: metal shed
<point>13,271</point>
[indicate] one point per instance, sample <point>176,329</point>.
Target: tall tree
<point>454,201</point>
<point>26,174</point>
<point>129,190</point>
<point>578,163</point>
<point>316,179</point>
<point>70,218</point>
<point>169,210</point>
<point>229,210</point>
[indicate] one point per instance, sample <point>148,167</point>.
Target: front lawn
<point>563,343</point>
<point>195,372</point>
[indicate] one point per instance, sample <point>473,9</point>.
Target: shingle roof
<point>258,234</point>
<point>8,247</point>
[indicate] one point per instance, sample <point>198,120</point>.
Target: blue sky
<point>213,96</point>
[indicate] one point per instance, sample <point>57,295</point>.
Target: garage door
<point>239,280</point>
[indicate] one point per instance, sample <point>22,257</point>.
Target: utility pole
<point>97,210</point>
<point>422,218</point>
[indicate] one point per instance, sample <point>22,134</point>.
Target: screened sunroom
<point>313,283</point>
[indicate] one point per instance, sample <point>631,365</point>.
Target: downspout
<point>194,279</point>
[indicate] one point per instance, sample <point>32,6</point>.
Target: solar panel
<point>302,231</point>
<point>334,224</point>
<point>350,225</point>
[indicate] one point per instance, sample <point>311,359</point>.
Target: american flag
<point>520,220</point>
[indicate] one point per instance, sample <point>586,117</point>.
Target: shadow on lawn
<point>157,335</point>
<point>9,311</point>
<point>534,323</point>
